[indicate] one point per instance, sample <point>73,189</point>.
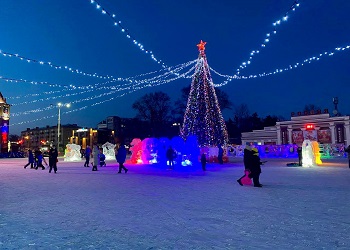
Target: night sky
<point>76,34</point>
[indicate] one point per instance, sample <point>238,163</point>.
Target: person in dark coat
<point>30,159</point>
<point>347,150</point>
<point>170,153</point>
<point>121,156</point>
<point>39,159</point>
<point>53,154</point>
<point>300,155</point>
<point>255,169</point>
<point>247,156</point>
<point>203,161</point>
<point>220,154</point>
<point>87,156</point>
<point>36,153</point>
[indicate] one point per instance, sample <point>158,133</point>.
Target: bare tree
<point>241,111</point>
<point>310,107</point>
<point>154,108</point>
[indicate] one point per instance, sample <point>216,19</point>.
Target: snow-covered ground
<point>152,208</point>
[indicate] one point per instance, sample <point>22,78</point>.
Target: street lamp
<point>27,138</point>
<point>59,105</point>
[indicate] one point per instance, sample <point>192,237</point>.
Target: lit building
<point>4,124</point>
<point>124,129</point>
<point>318,127</point>
<point>46,136</point>
<point>84,137</point>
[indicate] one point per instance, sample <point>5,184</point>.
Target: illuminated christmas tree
<point>203,116</point>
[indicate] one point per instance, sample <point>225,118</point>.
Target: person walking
<point>247,156</point>
<point>300,155</point>
<point>203,161</point>
<point>87,156</point>
<point>348,151</point>
<point>53,154</point>
<point>121,156</point>
<point>220,154</point>
<point>170,156</point>
<point>255,169</point>
<point>30,159</point>
<point>40,159</point>
<point>96,160</point>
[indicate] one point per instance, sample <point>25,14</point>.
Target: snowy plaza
<point>152,208</point>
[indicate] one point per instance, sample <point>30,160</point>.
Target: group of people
<point>36,159</point>
<point>120,155</point>
<point>252,165</point>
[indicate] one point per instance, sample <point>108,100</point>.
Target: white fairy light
<point>128,35</point>
<point>129,90</point>
<point>279,70</point>
<point>268,35</point>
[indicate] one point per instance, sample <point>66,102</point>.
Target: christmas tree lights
<point>203,117</point>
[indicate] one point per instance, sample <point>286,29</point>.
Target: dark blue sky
<point>74,33</point>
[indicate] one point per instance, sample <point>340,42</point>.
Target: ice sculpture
<point>153,150</point>
<point>108,150</point>
<point>72,152</point>
<point>308,154</point>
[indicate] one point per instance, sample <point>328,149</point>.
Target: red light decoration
<point>201,45</point>
<point>4,137</point>
<point>310,127</point>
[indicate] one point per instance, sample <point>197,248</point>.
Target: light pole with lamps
<point>59,105</point>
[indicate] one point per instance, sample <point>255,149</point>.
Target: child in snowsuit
<point>102,159</point>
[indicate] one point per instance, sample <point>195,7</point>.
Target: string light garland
<point>184,75</point>
<point>54,66</point>
<point>268,37</point>
<point>123,29</point>
<point>280,70</point>
<point>139,86</point>
<point>131,88</point>
<point>87,99</point>
<point>187,74</point>
<point>128,79</point>
<point>33,95</point>
<point>55,97</point>
<point>98,86</point>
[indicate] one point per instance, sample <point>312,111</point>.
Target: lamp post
<point>335,102</point>
<point>59,105</point>
<point>27,138</point>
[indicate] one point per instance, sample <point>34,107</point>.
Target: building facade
<point>46,136</point>
<point>4,124</point>
<point>122,129</point>
<point>317,127</point>
<point>84,137</point>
